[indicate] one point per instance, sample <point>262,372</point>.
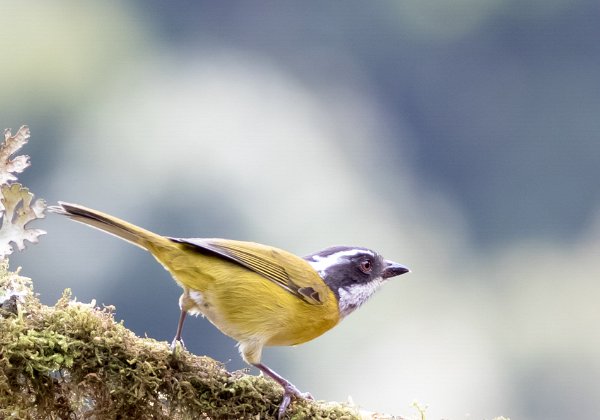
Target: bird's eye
<point>366,266</point>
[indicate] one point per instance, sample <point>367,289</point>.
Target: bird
<point>256,294</point>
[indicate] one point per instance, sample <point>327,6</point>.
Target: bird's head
<point>353,274</point>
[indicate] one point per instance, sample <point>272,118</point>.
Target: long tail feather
<point>110,224</point>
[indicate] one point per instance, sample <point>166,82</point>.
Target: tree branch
<point>73,360</point>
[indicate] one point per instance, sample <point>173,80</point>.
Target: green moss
<point>73,360</point>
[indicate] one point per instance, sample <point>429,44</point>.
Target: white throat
<point>352,297</point>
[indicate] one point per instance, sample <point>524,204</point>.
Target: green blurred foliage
<point>458,138</point>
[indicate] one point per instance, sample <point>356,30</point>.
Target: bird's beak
<point>393,269</point>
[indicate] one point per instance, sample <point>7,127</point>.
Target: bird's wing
<point>287,270</point>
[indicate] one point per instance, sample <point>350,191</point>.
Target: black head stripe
<point>339,266</point>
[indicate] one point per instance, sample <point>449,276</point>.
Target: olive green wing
<point>292,273</point>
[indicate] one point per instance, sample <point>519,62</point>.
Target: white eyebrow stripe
<point>321,264</point>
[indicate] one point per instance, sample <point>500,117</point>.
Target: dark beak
<point>393,269</point>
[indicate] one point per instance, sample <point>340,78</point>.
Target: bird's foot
<point>289,392</point>
<point>174,345</point>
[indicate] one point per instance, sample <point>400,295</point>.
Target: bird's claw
<point>174,343</point>
<point>289,392</point>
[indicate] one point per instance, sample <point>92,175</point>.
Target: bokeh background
<point>459,138</point>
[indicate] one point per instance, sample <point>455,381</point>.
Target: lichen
<point>72,360</point>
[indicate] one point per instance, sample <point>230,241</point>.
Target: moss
<point>72,360</point>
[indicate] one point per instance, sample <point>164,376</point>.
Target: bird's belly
<point>245,306</point>
<point>278,323</point>
<point>196,302</point>
<point>291,335</point>
<point>274,324</point>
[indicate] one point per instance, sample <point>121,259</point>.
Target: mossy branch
<point>72,360</point>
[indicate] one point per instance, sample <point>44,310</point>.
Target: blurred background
<point>459,138</point>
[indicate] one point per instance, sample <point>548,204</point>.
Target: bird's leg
<point>178,338</point>
<point>185,304</point>
<point>289,390</point>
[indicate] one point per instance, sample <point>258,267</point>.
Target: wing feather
<point>287,270</point>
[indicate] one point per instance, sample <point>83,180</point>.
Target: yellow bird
<point>256,294</point>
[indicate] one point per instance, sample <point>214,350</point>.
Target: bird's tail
<point>113,225</point>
